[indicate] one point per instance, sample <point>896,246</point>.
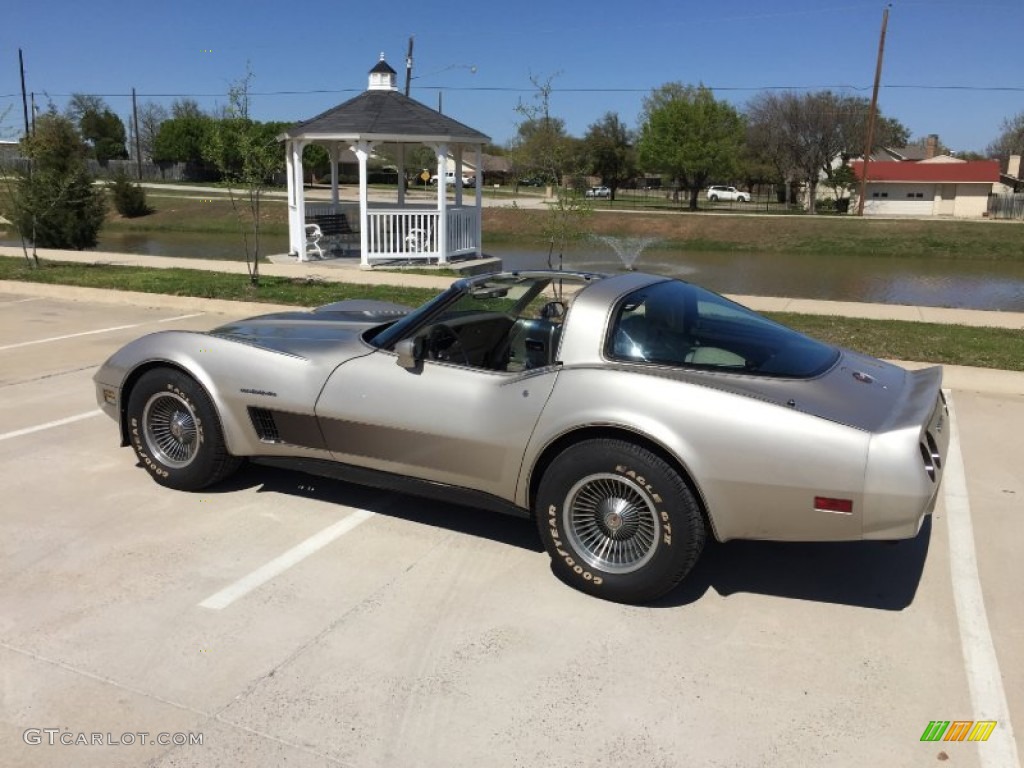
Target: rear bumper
<point>905,469</point>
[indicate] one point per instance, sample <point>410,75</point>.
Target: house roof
<point>384,115</point>
<point>974,171</point>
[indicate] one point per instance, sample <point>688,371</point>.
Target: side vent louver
<point>263,423</point>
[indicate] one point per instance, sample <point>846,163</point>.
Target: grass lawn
<point>925,342</point>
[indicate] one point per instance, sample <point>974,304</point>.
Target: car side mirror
<point>406,350</point>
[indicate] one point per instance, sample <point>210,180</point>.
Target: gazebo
<point>399,230</point>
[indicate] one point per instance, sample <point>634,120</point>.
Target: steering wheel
<point>444,344</point>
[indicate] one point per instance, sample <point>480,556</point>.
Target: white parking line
<point>988,699</point>
<point>98,330</point>
<point>181,317</point>
<point>49,425</point>
<point>280,564</point>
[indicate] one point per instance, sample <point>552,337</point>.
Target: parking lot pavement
<point>401,632</point>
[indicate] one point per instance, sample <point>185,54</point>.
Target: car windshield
<point>508,295</point>
<point>679,324</point>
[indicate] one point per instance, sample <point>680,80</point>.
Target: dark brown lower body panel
<point>390,482</point>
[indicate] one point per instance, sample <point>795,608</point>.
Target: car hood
<point>314,332</point>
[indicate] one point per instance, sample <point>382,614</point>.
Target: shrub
<point>129,198</point>
<point>56,205</point>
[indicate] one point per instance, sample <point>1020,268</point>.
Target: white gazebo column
<point>442,203</point>
<point>401,174</point>
<point>335,152</point>
<point>458,175</point>
<point>296,201</point>
<point>362,149</point>
<point>479,179</point>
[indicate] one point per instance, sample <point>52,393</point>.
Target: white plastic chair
<point>313,237</point>
<point>417,240</point>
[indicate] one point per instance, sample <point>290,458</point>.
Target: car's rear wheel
<point>618,521</point>
<point>175,431</point>
<point>713,198</point>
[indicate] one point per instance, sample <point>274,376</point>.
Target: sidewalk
<point>347,270</point>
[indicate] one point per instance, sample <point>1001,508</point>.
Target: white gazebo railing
<point>404,233</point>
<point>408,232</point>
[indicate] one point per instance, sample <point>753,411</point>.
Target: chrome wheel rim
<point>611,522</point>
<point>172,431</point>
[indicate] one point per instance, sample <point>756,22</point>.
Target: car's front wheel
<point>618,521</point>
<point>713,198</point>
<point>175,431</point>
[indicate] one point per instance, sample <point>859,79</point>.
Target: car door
<point>441,421</point>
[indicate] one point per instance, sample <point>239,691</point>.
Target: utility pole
<point>869,144</point>
<point>24,99</point>
<point>408,66</point>
<point>138,142</point>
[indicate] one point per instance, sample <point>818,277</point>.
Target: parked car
<point>599,192</point>
<point>630,416</point>
<point>449,178</point>
<point>719,192</point>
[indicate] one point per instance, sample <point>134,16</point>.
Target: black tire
<point>618,521</point>
<point>713,198</point>
<point>175,432</point>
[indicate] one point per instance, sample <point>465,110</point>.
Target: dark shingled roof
<point>383,68</point>
<point>385,113</point>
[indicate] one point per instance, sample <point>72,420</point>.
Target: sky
<point>951,67</point>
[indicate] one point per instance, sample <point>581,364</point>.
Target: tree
<point>1010,140</point>
<point>182,139</point>
<point>803,135</point>
<point>105,132</point>
<point>248,155</point>
<point>609,151</point>
<point>81,103</point>
<point>689,135</point>
<point>181,108</point>
<point>55,203</point>
<point>541,147</point>
<point>101,129</point>
<point>151,117</point>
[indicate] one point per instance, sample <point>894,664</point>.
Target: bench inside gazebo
<point>385,231</point>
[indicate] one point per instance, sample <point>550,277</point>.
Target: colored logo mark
<point>958,730</point>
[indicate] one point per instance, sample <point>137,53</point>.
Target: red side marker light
<point>838,506</point>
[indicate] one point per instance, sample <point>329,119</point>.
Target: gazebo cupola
<point>399,229</point>
<point>383,77</point>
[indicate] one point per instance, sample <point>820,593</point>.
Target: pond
<point>971,284</point>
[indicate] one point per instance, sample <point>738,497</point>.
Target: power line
<point>522,89</point>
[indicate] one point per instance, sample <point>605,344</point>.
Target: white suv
<point>719,192</point>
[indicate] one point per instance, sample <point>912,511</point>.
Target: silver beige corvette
<point>630,416</point>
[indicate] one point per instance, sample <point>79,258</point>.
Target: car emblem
<point>863,377</point>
